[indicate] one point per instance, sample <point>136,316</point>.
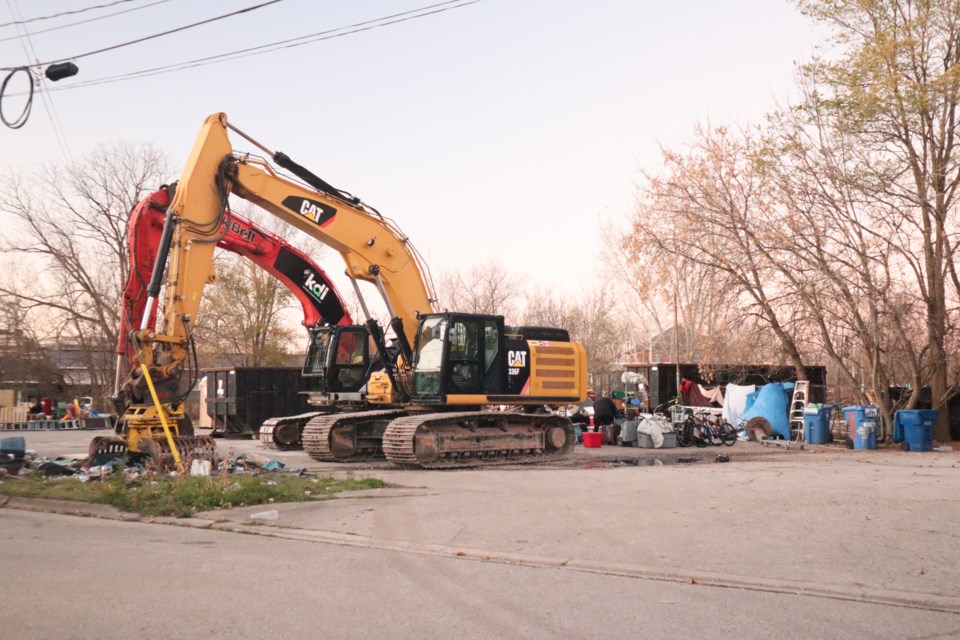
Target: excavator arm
<point>372,247</point>
<point>308,282</point>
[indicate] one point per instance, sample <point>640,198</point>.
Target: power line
<point>79,22</point>
<point>155,35</point>
<point>282,44</point>
<point>65,13</point>
<point>52,114</point>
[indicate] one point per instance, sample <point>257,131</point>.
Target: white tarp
<point>735,402</point>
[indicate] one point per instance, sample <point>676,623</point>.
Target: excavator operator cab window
<point>466,354</point>
<point>351,359</point>
<point>428,356</point>
<point>315,364</point>
<point>458,354</point>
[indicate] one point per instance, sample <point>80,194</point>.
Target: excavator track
<point>285,433</point>
<point>347,437</point>
<point>476,439</point>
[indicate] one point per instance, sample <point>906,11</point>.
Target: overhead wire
<point>320,36</point>
<point>88,20</point>
<point>65,13</point>
<point>156,35</point>
<point>56,124</point>
<point>20,120</point>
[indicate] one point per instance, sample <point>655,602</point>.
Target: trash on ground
<point>200,468</point>
<point>50,469</point>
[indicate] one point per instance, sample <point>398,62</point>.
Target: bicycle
<point>708,430</point>
<point>686,429</point>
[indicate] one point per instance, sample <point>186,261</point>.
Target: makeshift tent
<point>735,402</point>
<point>695,395</point>
<point>771,403</point>
<point>713,394</point>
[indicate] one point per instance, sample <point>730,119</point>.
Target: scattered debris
<point>49,468</point>
<point>200,468</point>
<point>272,514</point>
<point>253,463</point>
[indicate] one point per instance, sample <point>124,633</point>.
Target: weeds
<point>185,496</point>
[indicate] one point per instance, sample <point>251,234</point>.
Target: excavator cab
<point>341,358</point>
<point>459,355</point>
<point>471,359</point>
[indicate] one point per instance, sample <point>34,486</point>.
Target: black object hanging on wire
<point>61,70</point>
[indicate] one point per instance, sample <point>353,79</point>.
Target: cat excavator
<point>333,386</point>
<point>441,368</point>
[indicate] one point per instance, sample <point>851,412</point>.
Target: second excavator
<point>441,369</point>
<point>333,386</point>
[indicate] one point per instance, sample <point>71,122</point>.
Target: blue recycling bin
<point>915,428</point>
<point>862,422</point>
<point>816,424</point>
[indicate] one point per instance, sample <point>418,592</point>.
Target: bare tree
<point>711,209</point>
<point>242,316</point>
<point>848,270</point>
<point>894,84</point>
<point>71,225</point>
<point>23,362</point>
<point>486,288</point>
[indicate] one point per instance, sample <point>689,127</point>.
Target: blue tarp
<point>751,398</point>
<point>771,403</point>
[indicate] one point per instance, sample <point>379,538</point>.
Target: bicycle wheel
<point>685,434</point>
<point>716,436</point>
<point>728,434</point>
<point>701,436</point>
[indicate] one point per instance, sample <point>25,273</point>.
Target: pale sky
<point>506,130</point>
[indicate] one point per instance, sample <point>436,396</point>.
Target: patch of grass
<point>182,497</point>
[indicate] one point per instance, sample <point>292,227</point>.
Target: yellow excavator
<point>443,369</point>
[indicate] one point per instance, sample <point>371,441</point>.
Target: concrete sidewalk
<point>880,529</point>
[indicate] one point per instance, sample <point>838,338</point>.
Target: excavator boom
<point>308,282</point>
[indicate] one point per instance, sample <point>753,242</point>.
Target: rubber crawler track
<point>400,440</point>
<point>270,428</point>
<point>317,435</point>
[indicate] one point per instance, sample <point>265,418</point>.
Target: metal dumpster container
<point>239,399</point>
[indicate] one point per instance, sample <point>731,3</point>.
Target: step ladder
<point>801,394</point>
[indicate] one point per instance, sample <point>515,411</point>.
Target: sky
<point>503,131</point>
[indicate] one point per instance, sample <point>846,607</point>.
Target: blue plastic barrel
<point>816,424</point>
<point>915,427</point>
<point>862,421</point>
<point>15,445</point>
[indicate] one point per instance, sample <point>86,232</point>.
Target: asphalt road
<point>70,577</point>
<point>612,543</point>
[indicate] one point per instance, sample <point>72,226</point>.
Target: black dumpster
<point>241,398</point>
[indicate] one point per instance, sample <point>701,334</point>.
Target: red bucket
<point>592,439</point>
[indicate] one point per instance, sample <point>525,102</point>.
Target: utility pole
<point>676,317</point>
